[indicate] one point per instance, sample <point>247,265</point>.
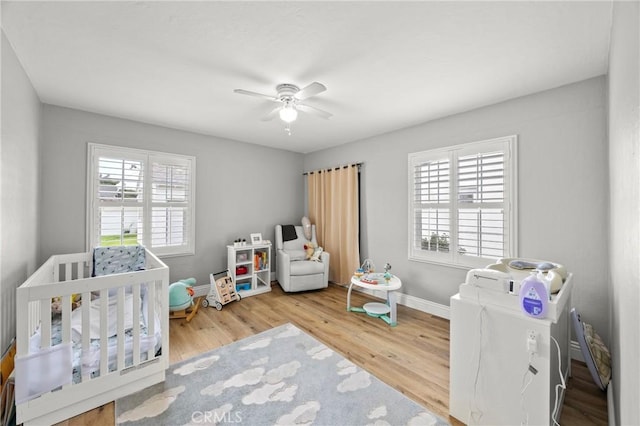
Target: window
<point>141,197</point>
<point>462,203</point>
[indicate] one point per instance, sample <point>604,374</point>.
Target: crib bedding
<point>115,260</point>
<point>90,362</point>
<point>112,309</point>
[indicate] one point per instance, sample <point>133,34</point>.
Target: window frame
<point>506,144</point>
<point>148,158</point>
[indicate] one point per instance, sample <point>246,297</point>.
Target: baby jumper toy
<point>223,291</point>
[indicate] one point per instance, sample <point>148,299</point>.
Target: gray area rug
<point>282,376</point>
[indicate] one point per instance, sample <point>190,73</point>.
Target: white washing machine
<point>503,363</point>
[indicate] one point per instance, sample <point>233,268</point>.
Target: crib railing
<point>64,276</point>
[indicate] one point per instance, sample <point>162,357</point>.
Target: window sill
<point>168,255</point>
<point>479,263</point>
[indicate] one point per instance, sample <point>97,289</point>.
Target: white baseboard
<point>443,311</point>
<point>424,305</point>
<point>576,353</point>
<point>611,409</point>
<point>409,301</point>
<point>201,290</point>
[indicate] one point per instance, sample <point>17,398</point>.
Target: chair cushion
<point>295,244</point>
<point>306,267</point>
<point>296,254</point>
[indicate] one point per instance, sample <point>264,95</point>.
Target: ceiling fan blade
<point>311,90</point>
<point>272,114</point>
<point>258,95</point>
<point>314,110</point>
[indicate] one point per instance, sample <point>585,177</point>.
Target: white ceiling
<point>386,65</point>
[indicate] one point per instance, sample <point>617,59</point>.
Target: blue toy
<point>243,286</point>
<point>181,303</point>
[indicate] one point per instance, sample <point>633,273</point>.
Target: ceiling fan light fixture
<point>290,98</point>
<point>288,113</point>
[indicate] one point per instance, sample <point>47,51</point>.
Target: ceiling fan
<point>290,98</point>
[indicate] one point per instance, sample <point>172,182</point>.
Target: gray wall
<point>19,177</point>
<point>624,169</point>
<point>563,188</point>
<point>240,188</point>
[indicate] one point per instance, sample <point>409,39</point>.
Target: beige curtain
<point>333,208</point>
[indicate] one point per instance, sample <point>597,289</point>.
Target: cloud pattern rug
<point>282,376</point>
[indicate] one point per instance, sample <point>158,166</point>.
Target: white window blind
<point>431,190</point>
<point>462,203</point>
<point>141,197</point>
<point>481,206</point>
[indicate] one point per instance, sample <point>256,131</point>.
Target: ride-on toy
<point>223,291</point>
<point>182,304</point>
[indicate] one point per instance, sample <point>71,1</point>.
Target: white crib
<point>65,275</point>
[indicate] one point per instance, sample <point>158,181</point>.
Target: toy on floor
<point>181,303</point>
<point>223,291</point>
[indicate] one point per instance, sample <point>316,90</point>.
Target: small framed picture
<point>256,238</point>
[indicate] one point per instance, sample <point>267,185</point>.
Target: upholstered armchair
<point>293,271</point>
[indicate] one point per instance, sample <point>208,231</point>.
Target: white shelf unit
<point>256,258</point>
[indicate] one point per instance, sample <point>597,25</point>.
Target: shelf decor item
<point>256,238</point>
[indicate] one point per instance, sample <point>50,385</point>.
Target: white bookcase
<point>249,266</point>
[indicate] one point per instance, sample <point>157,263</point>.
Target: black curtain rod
<point>333,168</point>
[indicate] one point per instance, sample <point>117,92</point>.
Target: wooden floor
<point>412,357</point>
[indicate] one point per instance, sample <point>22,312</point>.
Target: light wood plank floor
<point>412,357</point>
